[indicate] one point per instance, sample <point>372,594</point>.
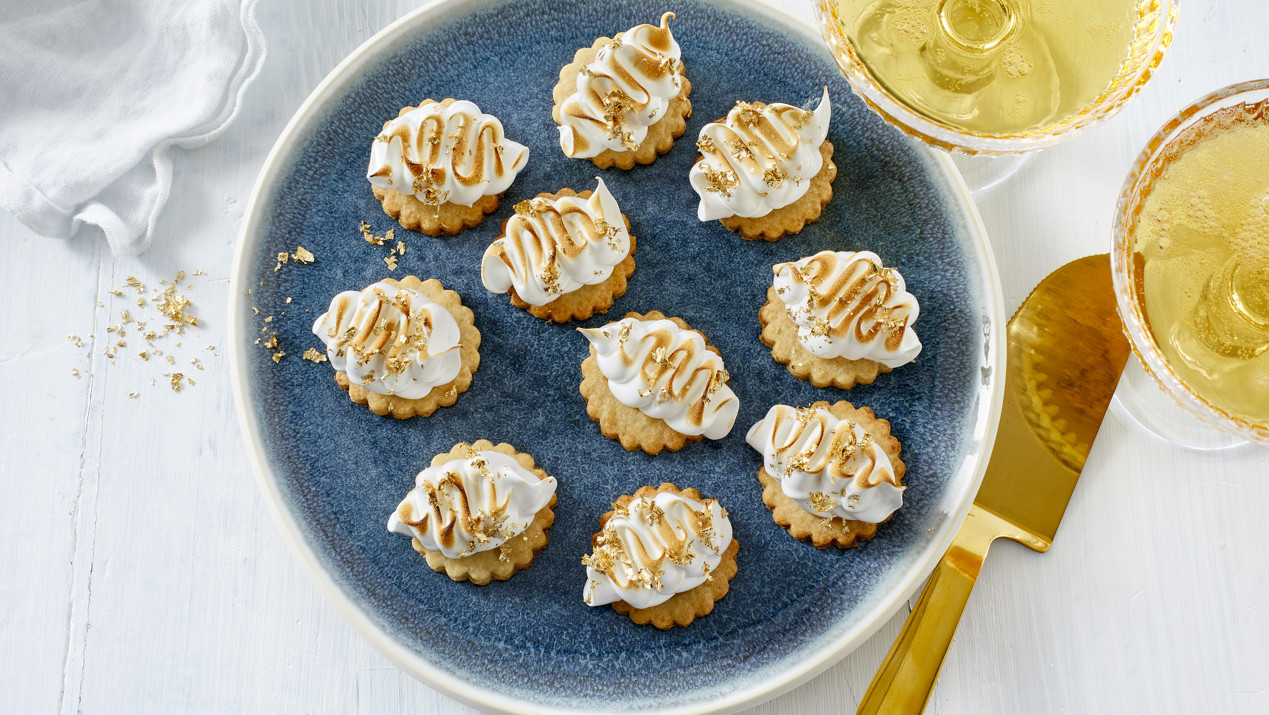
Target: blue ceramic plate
<point>332,471</point>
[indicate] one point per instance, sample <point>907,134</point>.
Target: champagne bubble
<point>912,29</point>
<point>1015,63</point>
<point>1199,211</point>
<point>1252,237</point>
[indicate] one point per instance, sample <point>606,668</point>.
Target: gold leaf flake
<point>551,279</point>
<point>654,513</point>
<point>312,355</point>
<point>370,236</point>
<point>774,177</point>
<point>822,502</point>
<point>747,114</point>
<point>720,182</point>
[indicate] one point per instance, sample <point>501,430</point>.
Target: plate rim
<point>476,696</point>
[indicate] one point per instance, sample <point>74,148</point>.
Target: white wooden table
<point>141,571</point>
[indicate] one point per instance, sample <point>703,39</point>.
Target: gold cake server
<point>1066,352</point>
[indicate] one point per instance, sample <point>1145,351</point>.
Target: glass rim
<point>1123,269</point>
<point>1135,72</point>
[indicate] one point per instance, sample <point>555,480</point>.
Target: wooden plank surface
<point>142,572</point>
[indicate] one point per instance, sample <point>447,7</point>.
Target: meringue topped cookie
<point>759,159</point>
<point>624,100</point>
<point>765,171</point>
<point>445,154</point>
<point>666,371</point>
<point>400,347</point>
<point>480,512</point>
<point>848,305</point>
<point>395,341</point>
<point>556,245</point>
<point>829,467</point>
<point>662,556</point>
<point>441,166</point>
<point>655,547</point>
<point>471,504</point>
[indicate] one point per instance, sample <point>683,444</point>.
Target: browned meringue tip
<point>662,34</point>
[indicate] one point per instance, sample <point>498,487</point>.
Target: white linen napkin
<point>95,93</point>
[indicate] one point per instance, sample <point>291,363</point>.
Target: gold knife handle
<point>907,675</point>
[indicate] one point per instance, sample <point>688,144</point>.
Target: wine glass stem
<point>961,57</point>
<point>985,175</point>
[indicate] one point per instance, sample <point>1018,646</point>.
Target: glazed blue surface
<point>342,469</point>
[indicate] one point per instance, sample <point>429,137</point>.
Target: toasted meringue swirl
<point>471,504</point>
<point>550,248</point>
<point>829,467</point>
<point>654,548</point>
<point>667,373</point>
<point>441,154</point>
<point>848,305</point>
<point>623,92</point>
<point>390,340</point>
<point>759,159</point>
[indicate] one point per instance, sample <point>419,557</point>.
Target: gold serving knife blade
<point>1066,351</point>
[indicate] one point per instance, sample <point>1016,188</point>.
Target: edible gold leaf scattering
<point>822,502</point>
<point>720,181</point>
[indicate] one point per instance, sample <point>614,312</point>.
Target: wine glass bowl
<point>965,46</point>
<point>1228,321</point>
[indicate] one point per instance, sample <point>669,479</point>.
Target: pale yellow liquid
<point>1202,242</point>
<point>994,66</point>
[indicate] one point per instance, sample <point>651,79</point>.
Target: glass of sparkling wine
<point>1191,268</point>
<point>996,77</point>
